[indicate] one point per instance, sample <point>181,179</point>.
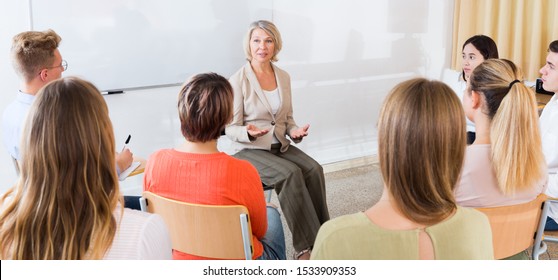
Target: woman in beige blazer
<point>263,118</point>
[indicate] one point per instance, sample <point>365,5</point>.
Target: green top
<point>465,235</point>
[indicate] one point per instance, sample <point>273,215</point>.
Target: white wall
<point>343,57</point>
<point>120,44</point>
<point>14,18</point>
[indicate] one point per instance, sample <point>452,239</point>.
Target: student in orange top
<point>197,172</point>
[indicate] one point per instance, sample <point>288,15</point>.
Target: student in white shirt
<point>66,203</point>
<point>549,130</point>
<point>475,50</point>
<point>37,61</point>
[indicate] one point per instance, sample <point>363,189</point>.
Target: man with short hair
<point>549,130</point>
<point>37,61</point>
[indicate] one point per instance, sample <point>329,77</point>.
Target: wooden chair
<point>221,232</point>
<point>539,247</point>
<point>514,227</point>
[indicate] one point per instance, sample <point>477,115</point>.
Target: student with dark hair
<point>549,130</point>
<point>475,50</point>
<point>197,172</point>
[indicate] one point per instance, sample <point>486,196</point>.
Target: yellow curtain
<point>522,29</point>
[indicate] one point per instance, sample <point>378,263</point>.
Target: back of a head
<point>422,141</point>
<point>68,189</point>
<point>32,51</point>
<point>515,138</point>
<point>205,107</point>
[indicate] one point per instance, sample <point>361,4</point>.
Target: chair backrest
<point>212,231</point>
<point>514,227</point>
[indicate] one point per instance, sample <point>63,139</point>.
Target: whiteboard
<point>122,44</point>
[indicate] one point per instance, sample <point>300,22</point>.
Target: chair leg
<point>246,236</point>
<point>539,247</point>
<point>143,204</point>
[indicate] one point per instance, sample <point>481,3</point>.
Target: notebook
<point>130,169</point>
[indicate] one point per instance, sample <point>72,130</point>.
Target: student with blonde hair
<point>422,139</point>
<point>505,165</point>
<point>37,61</point>
<point>66,203</point>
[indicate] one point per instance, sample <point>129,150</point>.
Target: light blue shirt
<point>13,121</point>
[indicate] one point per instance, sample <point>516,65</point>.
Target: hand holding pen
<point>127,141</point>
<point>125,158</point>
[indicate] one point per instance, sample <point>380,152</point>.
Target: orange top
<point>212,179</point>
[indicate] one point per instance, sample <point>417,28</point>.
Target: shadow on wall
<point>339,80</point>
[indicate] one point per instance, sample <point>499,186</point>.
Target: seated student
<point>416,217</point>
<point>475,50</point>
<point>549,130</point>
<point>505,165</point>
<point>196,172</point>
<point>37,61</point>
<point>66,203</point>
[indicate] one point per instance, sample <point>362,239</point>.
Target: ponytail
<point>517,156</point>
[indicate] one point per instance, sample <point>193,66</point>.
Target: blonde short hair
<point>33,51</point>
<point>271,30</point>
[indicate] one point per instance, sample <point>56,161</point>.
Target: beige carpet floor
<point>356,189</point>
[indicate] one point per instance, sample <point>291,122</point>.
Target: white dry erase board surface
<point>343,56</point>
<point>122,44</point>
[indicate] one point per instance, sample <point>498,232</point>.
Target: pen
<point>115,91</point>
<point>127,141</point>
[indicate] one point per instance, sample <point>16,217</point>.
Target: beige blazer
<point>251,107</point>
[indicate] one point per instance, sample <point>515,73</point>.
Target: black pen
<point>127,141</point>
